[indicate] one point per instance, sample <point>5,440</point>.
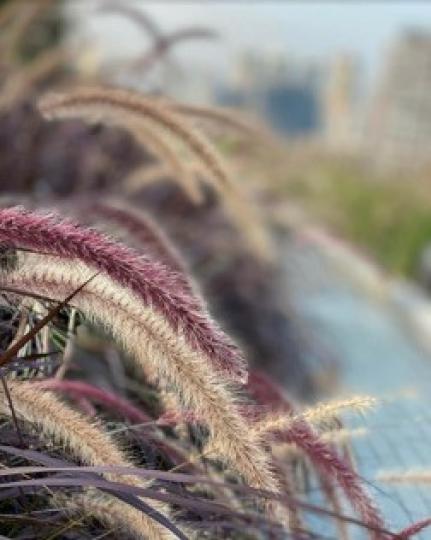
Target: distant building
<point>292,109</point>
<point>340,104</point>
<point>399,130</point>
<point>284,90</point>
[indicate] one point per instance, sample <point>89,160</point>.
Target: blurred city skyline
<point>353,75</point>
<point>298,29</point>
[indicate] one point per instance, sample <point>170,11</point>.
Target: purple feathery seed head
<point>154,283</point>
<point>144,231</point>
<point>323,455</point>
<point>414,529</point>
<point>326,459</point>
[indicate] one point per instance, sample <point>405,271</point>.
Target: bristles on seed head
<point>153,282</point>
<point>85,441</point>
<point>153,346</point>
<point>131,110</point>
<point>319,413</point>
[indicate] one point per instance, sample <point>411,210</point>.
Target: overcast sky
<point>309,29</point>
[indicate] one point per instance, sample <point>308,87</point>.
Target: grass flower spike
<point>148,116</point>
<point>153,283</point>
<point>86,442</point>
<point>134,298</point>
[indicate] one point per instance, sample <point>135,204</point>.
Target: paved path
<point>377,355</point>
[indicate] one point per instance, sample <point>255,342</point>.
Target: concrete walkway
<point>379,353</point>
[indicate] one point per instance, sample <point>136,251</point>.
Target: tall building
<point>399,130</point>
<point>340,104</point>
<point>283,89</point>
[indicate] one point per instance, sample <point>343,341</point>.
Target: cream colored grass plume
<point>155,348</point>
<point>157,141</point>
<point>145,175</point>
<point>124,107</point>
<point>105,508</point>
<point>133,111</point>
<point>87,443</point>
<point>222,115</point>
<point>137,229</point>
<point>321,412</point>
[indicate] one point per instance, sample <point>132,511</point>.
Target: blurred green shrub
<point>389,217</point>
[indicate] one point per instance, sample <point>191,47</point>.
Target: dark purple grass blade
<point>15,348</point>
<point>145,508</point>
<point>36,456</point>
<point>22,363</point>
<point>117,490</point>
<point>56,465</point>
<point>123,492</point>
<point>181,501</point>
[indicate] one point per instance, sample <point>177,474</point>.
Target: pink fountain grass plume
<point>411,530</point>
<point>155,348</point>
<point>86,407</point>
<point>267,392</point>
<point>152,282</point>
<point>322,455</point>
<point>327,461</point>
<point>140,232</point>
<point>147,236</point>
<point>80,389</point>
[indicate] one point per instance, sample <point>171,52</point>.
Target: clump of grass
<point>59,425</point>
<point>132,297</point>
<point>232,439</point>
<point>85,441</point>
<point>152,282</point>
<point>139,290</point>
<point>322,455</point>
<point>132,111</point>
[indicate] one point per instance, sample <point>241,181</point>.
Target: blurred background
<point>342,90</point>
<point>345,85</point>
